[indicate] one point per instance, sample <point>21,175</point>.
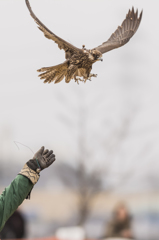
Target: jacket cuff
<point>30,174</point>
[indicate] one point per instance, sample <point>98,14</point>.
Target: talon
<point>92,75</point>
<point>77,79</point>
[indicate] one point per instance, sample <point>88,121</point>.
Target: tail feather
<point>60,78</point>
<point>47,68</point>
<point>55,73</point>
<point>70,73</point>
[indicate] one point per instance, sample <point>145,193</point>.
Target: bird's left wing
<point>123,33</point>
<point>62,44</point>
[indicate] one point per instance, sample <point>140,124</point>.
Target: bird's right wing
<point>123,33</point>
<point>62,44</point>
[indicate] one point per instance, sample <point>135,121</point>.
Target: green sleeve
<point>13,196</point>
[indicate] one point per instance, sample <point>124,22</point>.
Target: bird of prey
<point>78,64</point>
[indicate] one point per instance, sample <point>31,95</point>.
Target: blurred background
<point>105,133</point>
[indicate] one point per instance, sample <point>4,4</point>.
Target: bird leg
<point>89,78</point>
<point>92,75</point>
<point>77,79</point>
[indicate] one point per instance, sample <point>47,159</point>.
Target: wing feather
<point>62,44</point>
<point>123,33</point>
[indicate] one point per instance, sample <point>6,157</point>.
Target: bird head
<point>95,55</point>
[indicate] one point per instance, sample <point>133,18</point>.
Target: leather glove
<point>41,160</point>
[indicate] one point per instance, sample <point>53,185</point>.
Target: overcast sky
<point>37,114</point>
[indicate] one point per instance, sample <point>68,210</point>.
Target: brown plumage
<point>78,64</point>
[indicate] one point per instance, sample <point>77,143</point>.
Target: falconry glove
<point>41,160</point>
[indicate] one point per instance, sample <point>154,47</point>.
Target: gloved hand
<point>41,160</point>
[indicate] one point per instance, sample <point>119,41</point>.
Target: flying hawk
<point>78,64</point>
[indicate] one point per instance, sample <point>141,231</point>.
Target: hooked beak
<point>100,59</point>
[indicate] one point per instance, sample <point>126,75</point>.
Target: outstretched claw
<point>77,79</point>
<point>92,75</point>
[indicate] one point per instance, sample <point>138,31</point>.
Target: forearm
<point>13,196</point>
<point>21,186</point>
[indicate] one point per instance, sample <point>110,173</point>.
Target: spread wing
<point>62,44</point>
<point>123,33</point>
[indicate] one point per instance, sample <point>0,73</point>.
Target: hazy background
<point>108,128</point>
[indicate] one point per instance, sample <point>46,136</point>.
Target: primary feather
<point>123,33</point>
<point>62,44</point>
